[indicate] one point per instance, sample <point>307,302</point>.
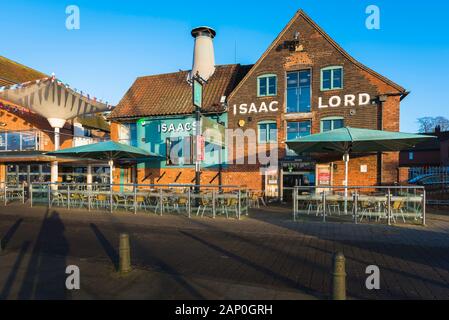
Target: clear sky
<point>121,40</point>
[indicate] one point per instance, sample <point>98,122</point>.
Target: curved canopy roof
<point>52,99</point>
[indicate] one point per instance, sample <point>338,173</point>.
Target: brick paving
<point>264,256</point>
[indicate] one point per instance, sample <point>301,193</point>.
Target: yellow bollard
<point>125,256</point>
<point>339,277</point>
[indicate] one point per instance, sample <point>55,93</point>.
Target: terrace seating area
<point>361,204</point>
<point>208,201</point>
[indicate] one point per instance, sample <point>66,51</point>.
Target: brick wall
<point>318,53</point>
<point>22,121</point>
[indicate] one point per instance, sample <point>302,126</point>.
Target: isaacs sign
<point>349,100</point>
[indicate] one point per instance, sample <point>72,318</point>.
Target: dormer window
<point>267,85</point>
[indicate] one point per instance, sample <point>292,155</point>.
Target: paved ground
<point>266,256</point>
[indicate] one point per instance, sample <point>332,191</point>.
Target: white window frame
<point>267,77</point>
<point>332,69</point>
<point>330,119</point>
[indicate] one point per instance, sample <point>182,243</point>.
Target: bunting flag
<point>14,109</point>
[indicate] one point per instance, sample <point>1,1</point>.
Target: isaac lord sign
<point>349,100</point>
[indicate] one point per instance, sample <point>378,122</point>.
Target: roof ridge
<point>183,71</point>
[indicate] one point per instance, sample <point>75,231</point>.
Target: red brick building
<point>303,84</point>
<point>434,153</point>
<point>26,137</point>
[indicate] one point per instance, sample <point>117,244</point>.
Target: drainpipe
<point>381,100</point>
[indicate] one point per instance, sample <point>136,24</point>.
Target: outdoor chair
<point>180,202</point>
<point>232,203</point>
<point>367,210</point>
<point>120,201</point>
<point>141,202</point>
<point>398,210</point>
<point>59,198</point>
<point>204,204</point>
<point>165,204</point>
<point>100,201</point>
<point>334,207</point>
<point>314,205</point>
<point>254,200</point>
<point>77,199</point>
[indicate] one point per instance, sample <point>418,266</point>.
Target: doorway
<point>296,179</point>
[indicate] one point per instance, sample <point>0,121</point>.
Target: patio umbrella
<point>110,151</point>
<point>353,140</point>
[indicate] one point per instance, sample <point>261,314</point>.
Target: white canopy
<point>53,100</point>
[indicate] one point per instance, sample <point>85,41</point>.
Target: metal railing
<point>159,199</point>
<point>360,204</point>
<point>12,193</point>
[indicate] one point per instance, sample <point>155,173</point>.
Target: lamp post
<point>197,86</point>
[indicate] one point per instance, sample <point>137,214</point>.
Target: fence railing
<point>12,193</point>
<point>159,199</point>
<point>360,204</point>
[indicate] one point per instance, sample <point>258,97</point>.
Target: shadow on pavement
<point>107,246</point>
<point>409,256</point>
<point>45,275</point>
<point>12,276</point>
<point>9,234</point>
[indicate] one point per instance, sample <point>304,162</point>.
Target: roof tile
<point>170,94</point>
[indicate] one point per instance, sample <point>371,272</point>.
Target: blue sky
<point>120,40</point>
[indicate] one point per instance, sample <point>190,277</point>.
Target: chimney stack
<point>203,55</point>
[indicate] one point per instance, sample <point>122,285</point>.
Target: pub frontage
<point>304,83</point>
<point>26,135</point>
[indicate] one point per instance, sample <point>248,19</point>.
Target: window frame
<point>297,121</point>
<point>330,119</point>
<point>310,70</point>
<point>168,145</point>
<point>332,68</point>
<point>267,133</point>
<point>267,77</point>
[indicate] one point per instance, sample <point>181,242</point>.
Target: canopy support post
<point>111,175</point>
<point>89,177</point>
<point>346,182</point>
<point>57,139</point>
<point>54,176</point>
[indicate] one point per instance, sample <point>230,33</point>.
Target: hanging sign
<point>197,93</point>
<point>200,148</point>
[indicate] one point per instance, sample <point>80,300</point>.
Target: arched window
<point>332,123</point>
<point>332,78</point>
<point>267,85</point>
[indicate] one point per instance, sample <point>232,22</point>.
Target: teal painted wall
<point>152,134</point>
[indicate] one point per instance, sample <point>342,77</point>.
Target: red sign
<point>200,148</point>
